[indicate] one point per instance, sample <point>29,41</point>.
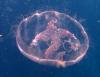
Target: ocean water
<point>14,64</point>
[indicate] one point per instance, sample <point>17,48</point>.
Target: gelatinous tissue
<point>52,38</point>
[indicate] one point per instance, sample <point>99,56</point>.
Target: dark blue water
<point>14,64</point>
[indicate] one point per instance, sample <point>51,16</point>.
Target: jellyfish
<point>52,38</point>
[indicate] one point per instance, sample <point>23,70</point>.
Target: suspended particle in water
<point>52,38</point>
<point>98,21</point>
<point>1,35</point>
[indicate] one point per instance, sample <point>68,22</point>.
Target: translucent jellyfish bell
<point>52,38</point>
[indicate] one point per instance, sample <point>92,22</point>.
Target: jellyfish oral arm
<point>53,47</point>
<point>71,37</point>
<point>39,37</point>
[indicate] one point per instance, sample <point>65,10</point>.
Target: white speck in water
<point>1,35</point>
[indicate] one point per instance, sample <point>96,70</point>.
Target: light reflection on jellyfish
<point>52,38</point>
